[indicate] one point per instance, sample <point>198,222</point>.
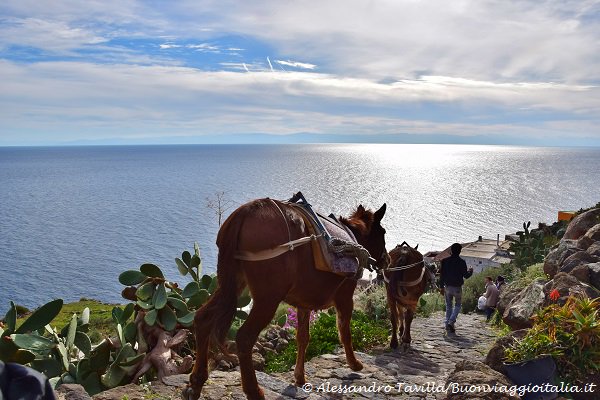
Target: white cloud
<point>84,97</point>
<point>169,46</point>
<point>52,36</point>
<point>296,64</point>
<point>484,61</point>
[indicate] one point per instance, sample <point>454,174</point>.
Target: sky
<point>461,71</point>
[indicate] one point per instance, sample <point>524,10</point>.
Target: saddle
<point>336,249</point>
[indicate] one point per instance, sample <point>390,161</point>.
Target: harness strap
<point>408,283</point>
<point>274,252</point>
<point>403,267</point>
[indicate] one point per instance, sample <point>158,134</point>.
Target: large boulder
<point>507,294</point>
<point>591,237</point>
<point>525,305</point>
<point>581,273</point>
<point>582,223</point>
<point>594,274</point>
<point>469,374</point>
<point>594,249</point>
<point>495,357</point>
<point>576,259</point>
<point>593,233</point>
<point>558,254</point>
<point>567,285</point>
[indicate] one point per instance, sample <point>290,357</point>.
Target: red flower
<point>554,295</point>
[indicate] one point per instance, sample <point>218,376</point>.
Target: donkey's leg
<point>261,314</point>
<point>344,305</point>
<point>199,373</point>
<point>409,314</point>
<point>394,319</point>
<point>302,338</point>
<point>401,318</point>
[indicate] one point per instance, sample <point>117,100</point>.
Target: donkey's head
<point>366,226</point>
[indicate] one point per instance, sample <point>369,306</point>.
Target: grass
<point>366,334</point>
<point>101,323</point>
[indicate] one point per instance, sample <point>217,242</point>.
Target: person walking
<point>491,294</point>
<point>453,272</point>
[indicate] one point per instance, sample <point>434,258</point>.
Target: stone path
<point>412,374</point>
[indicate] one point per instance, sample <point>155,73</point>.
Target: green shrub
<point>373,302</point>
<point>429,303</point>
<point>530,274</point>
<point>366,334</point>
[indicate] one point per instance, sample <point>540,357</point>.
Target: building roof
<point>484,248</point>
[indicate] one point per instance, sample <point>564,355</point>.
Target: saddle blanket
<point>325,259</point>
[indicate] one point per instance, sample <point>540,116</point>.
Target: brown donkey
<point>406,279</point>
<point>291,277</point>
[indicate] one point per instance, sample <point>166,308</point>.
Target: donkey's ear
<point>417,246</point>
<point>360,209</point>
<point>380,213</point>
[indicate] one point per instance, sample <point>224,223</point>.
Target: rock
<point>268,346</point>
<point>524,306</point>
<point>582,273</point>
<point>258,361</point>
<point>594,249</point>
<point>568,285</point>
<point>593,233</point>
<point>506,296</point>
<point>132,391</point>
<point>558,254</point>
<point>582,223</point>
<point>475,374</point>
<point>72,391</point>
<point>584,242</point>
<point>258,347</point>
<point>594,271</point>
<point>224,365</point>
<point>281,345</point>
<point>495,357</point>
<point>576,259</point>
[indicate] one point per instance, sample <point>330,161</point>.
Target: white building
<point>482,254</point>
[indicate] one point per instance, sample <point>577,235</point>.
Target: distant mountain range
<point>305,138</point>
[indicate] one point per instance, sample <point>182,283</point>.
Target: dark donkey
<point>406,279</point>
<point>291,277</point>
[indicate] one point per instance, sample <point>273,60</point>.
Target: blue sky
<point>125,71</point>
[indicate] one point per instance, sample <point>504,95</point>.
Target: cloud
<point>169,46</point>
<point>51,36</point>
<point>69,98</point>
<point>296,64</point>
<point>221,66</point>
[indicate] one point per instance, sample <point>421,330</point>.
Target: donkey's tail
<point>220,309</point>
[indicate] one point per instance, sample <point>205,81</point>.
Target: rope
<point>403,267</point>
<point>274,252</point>
<point>351,249</point>
<point>286,222</point>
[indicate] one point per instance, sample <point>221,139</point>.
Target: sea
<point>73,218</point>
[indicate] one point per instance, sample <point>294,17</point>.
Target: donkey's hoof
<point>355,365</point>
<point>188,394</point>
<point>394,343</point>
<point>300,380</point>
<point>405,346</point>
<point>256,395</point>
